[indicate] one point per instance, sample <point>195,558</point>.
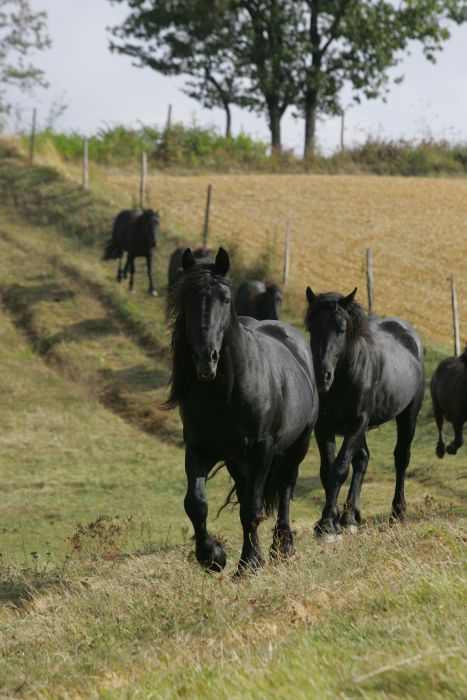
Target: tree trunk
<point>228,120</point>
<point>275,116</point>
<point>311,105</point>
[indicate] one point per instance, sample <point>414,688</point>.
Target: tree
<point>265,52</point>
<point>21,31</point>
<point>190,37</point>
<point>356,42</point>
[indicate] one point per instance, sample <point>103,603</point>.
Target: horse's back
<point>123,225</point>
<point>246,295</point>
<point>282,334</point>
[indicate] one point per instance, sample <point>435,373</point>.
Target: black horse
<point>449,396</point>
<point>134,231</point>
<point>258,300</point>
<point>369,370</point>
<point>247,397</point>
<point>175,271</point>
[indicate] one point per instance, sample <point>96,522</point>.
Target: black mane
<point>198,279</point>
<point>358,324</point>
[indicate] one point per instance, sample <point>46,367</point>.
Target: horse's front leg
<point>120,273</point>
<point>209,552</point>
<point>130,264</point>
<point>149,262</point>
<point>351,517</point>
<point>337,474</point>
<point>252,511</point>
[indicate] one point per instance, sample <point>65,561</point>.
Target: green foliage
<point>22,31</point>
<point>386,157</point>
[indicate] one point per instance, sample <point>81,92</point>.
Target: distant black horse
<point>134,231</point>
<point>259,301</point>
<point>449,396</point>
<point>175,263</point>
<point>368,370</point>
<point>247,397</point>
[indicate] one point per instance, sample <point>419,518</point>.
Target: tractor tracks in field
<point>81,329</point>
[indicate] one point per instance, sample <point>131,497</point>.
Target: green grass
<point>100,595</point>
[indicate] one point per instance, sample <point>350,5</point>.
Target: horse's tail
<point>111,250</point>
<point>271,489</point>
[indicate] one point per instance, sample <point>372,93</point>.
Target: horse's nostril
<point>214,355</point>
<point>327,376</point>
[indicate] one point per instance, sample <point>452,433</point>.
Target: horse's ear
<point>222,262</point>
<point>346,301</point>
<point>188,260</point>
<point>310,295</point>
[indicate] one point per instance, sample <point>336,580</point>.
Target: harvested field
<point>416,227</point>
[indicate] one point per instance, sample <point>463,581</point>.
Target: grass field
<point>99,592</point>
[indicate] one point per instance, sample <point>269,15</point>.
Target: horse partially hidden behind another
<point>175,271</point>
<point>247,397</point>
<point>369,370</point>
<point>260,301</point>
<point>449,397</point>
<point>134,231</point>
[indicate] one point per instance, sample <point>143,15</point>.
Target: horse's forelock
<point>358,326</point>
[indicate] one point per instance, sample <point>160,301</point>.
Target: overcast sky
<point>104,88</point>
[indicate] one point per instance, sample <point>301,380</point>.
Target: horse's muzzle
<point>206,374</point>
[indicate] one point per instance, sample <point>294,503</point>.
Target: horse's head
<point>327,321</point>
<point>152,222</point>
<point>273,297</point>
<point>207,310</point>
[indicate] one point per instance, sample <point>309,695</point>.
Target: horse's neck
<point>236,343</point>
<point>351,360</point>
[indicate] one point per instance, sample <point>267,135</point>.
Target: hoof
<point>153,293</point>
<point>249,566</point>
<point>440,450</point>
<point>215,561</point>
<point>452,448</point>
<point>327,530</point>
<point>279,551</point>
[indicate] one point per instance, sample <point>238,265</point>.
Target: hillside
<point>99,592</point>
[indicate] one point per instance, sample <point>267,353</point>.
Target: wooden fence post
<point>285,275</point>
<point>169,118</point>
<point>32,142</point>
<point>455,317</point>
<point>369,280</point>
<point>144,173</point>
<point>206,219</point>
<point>85,164</point>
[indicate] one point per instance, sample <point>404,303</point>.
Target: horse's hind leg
<point>252,511</point>
<point>439,418</point>
<point>209,553</point>
<point>282,543</point>
<point>351,517</point>
<point>458,437</point>
<point>406,423</point>
<point>149,259</point>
